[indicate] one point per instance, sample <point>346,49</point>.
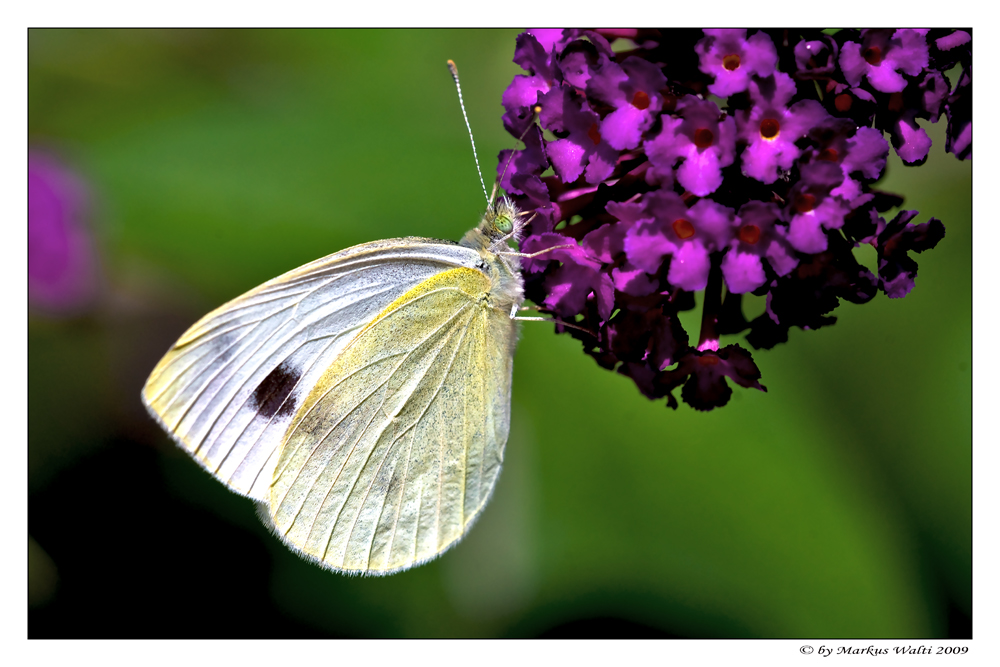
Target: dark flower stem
<point>712,304</point>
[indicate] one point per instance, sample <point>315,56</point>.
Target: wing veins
<point>416,529</point>
<point>288,435</point>
<point>199,394</point>
<point>465,452</point>
<point>353,291</point>
<point>240,367</point>
<point>220,322</point>
<point>402,490</point>
<point>236,370</point>
<point>177,376</point>
<point>355,372</point>
<point>393,444</point>
<point>183,354</point>
<point>270,419</point>
<point>294,305</point>
<point>437,391</point>
<point>428,293</point>
<point>358,440</point>
<point>298,510</point>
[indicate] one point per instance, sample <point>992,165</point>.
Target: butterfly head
<point>502,220</point>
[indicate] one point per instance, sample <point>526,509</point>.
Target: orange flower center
<point>769,128</point>
<point>873,55</point>
<point>750,234</point>
<point>805,202</point>
<point>683,228</point>
<point>843,102</point>
<point>640,100</point>
<point>828,154</point>
<point>708,360</point>
<point>703,137</point>
<point>594,135</point>
<point>731,62</point>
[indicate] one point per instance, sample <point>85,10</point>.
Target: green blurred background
<point>838,504</point>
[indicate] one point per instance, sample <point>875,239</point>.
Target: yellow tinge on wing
<point>397,447</point>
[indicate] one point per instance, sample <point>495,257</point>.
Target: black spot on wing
<point>268,398</point>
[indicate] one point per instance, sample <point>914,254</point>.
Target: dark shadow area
<point>136,562</point>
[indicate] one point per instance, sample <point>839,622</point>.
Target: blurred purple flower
<point>62,265</point>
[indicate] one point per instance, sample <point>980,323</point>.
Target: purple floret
<point>584,151</point>
<point>701,137</point>
<point>959,110</point>
<point>687,235</point>
<point>861,153</point>
<point>630,163</point>
<point>758,236</point>
<point>812,208</point>
<point>577,278</point>
<point>771,128</point>
<point>897,271</point>
<point>706,373</point>
<point>816,59</point>
<point>632,88</point>
<point>883,56</point>
<point>732,59</point>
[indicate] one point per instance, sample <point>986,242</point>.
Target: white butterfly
<point>363,400</point>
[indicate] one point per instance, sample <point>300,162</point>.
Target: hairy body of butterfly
<point>363,400</point>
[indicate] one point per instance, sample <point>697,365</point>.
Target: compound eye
<point>504,225</point>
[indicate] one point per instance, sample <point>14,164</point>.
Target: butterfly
<point>362,400</point>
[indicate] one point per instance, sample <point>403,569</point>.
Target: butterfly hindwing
<point>398,446</point>
<point>228,389</point>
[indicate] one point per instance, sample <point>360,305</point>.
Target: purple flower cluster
<point>62,265</point>
<point>669,163</point>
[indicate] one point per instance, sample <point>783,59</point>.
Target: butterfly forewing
<point>228,389</point>
<point>398,446</point>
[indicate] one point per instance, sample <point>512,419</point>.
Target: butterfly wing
<point>228,389</point>
<point>398,446</point>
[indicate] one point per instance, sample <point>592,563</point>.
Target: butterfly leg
<point>534,254</point>
<point>554,321</point>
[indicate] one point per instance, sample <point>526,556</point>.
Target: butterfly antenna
<point>454,74</point>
